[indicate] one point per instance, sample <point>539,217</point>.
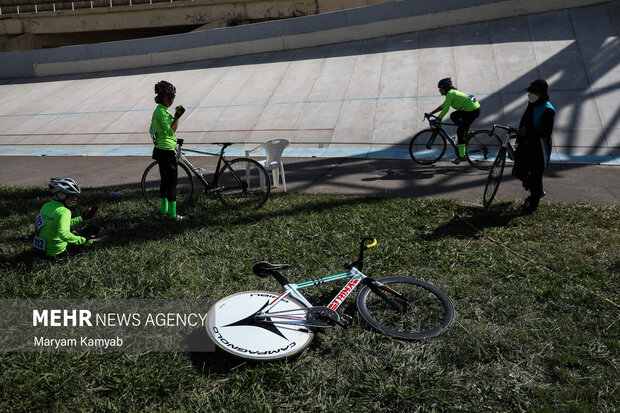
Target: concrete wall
<point>355,24</point>
<point>29,31</point>
<point>166,14</point>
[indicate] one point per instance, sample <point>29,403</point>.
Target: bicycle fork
<point>381,289</point>
<point>431,141</point>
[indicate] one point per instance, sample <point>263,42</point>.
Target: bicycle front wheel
<point>494,178</point>
<point>233,326</point>
<point>243,184</point>
<point>406,308</point>
<point>151,180</point>
<point>427,146</point>
<point>482,148</point>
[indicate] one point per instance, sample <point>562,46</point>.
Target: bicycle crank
<point>325,317</point>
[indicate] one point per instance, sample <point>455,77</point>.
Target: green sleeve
<point>75,221</point>
<point>445,107</point>
<point>64,229</point>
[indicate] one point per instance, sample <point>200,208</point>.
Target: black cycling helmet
<point>445,83</point>
<point>163,88</point>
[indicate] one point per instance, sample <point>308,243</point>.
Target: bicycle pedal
<point>346,321</point>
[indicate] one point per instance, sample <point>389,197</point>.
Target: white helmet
<point>61,187</point>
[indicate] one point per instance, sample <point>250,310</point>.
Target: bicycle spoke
<point>494,178</point>
<point>427,146</point>
<point>482,148</point>
<point>243,184</point>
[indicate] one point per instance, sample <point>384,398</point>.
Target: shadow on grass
<point>128,220</point>
<point>31,199</point>
<point>210,362</point>
<point>467,220</point>
<point>148,225</point>
<point>27,259</point>
<point>219,361</point>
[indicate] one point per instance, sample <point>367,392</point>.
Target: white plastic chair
<point>273,163</point>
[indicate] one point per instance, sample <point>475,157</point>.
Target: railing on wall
<point>54,6</point>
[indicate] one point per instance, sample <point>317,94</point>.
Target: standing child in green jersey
<point>53,235</point>
<point>163,131</point>
<point>467,110</point>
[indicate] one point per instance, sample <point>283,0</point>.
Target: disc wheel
<point>233,326</point>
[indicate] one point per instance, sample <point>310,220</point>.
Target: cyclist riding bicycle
<point>53,236</point>
<point>467,110</point>
<point>163,131</point>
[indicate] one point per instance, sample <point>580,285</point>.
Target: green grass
<point>539,335</point>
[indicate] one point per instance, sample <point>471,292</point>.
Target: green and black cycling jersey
<point>53,229</point>
<point>458,101</point>
<point>161,129</point>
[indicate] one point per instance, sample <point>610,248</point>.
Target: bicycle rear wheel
<point>243,184</point>
<point>423,310</point>
<point>494,178</point>
<point>427,146</point>
<point>151,180</point>
<point>232,326</point>
<point>482,147</point>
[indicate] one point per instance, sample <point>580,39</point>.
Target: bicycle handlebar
<point>371,245</point>
<point>509,129</point>
<point>365,244</point>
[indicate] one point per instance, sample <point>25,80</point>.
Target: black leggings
<point>463,120</point>
<point>530,162</point>
<point>168,170</point>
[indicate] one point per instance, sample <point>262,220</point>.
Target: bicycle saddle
<point>224,144</point>
<point>264,269</point>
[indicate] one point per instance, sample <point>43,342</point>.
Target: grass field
<point>537,296</point>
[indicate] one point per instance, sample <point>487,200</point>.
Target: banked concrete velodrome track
<point>354,98</point>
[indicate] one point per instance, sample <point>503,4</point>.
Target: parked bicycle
<point>429,145</point>
<point>497,170</point>
<point>262,325</point>
<point>240,183</point>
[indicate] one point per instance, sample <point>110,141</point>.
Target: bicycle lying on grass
<point>240,183</point>
<point>497,170</point>
<point>262,325</point>
<point>429,145</point>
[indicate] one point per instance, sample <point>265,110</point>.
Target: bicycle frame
<point>510,133</point>
<point>292,289</point>
<point>209,186</point>
<point>439,129</point>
